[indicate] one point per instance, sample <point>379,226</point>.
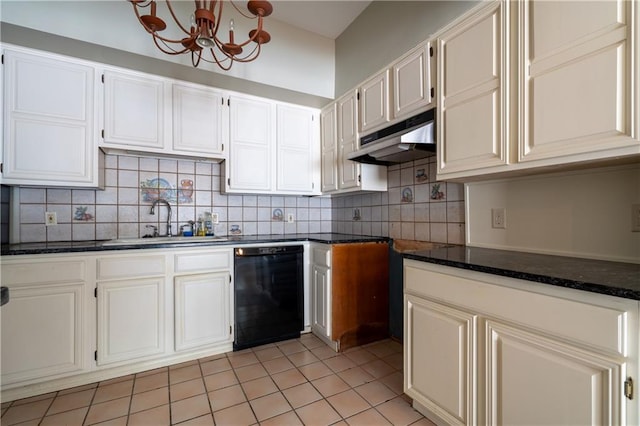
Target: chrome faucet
<point>161,200</point>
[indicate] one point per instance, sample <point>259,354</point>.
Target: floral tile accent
<point>422,175</point>
<point>436,193</point>
<point>278,215</point>
<point>407,195</point>
<point>81,214</point>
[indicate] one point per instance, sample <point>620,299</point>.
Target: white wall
<point>582,213</point>
<point>295,59</point>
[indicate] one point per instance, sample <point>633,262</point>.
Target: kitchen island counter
<point>91,246</point>
<point>611,278</point>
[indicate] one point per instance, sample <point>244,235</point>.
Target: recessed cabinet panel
<point>567,23</point>
<point>329,148</point>
<point>439,359</point>
<point>573,387</point>
<point>374,102</point>
<point>197,120</point>
<point>42,332</point>
<point>49,115</point>
<point>134,110</point>
<point>471,97</point>
<point>130,319</point>
<point>297,150</point>
<point>202,314</point>
<point>321,304</point>
<point>252,144</point>
<point>577,89</point>
<point>348,171</point>
<point>412,83</point>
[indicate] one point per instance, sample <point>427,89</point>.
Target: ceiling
<point>327,18</point>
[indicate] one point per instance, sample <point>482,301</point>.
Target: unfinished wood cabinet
<point>352,299</point>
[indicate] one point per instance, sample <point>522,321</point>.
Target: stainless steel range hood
<point>410,139</point>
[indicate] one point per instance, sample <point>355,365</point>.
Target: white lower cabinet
<point>482,349</point>
<point>43,325</point>
<point>202,310</point>
<point>130,319</point>
<point>321,291</point>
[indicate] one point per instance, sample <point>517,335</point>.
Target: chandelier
<point>202,35</point>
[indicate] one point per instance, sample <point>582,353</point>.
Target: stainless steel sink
<point>162,240</point>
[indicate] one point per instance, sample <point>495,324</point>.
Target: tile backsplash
<point>122,209</point>
<point>416,206</point>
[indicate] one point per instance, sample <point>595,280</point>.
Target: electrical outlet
<point>635,218</point>
<point>499,218</point>
<point>290,218</point>
<point>215,219</point>
<point>50,218</point>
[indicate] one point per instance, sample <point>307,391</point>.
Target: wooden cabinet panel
<point>360,293</point>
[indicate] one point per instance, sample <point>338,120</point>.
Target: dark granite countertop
<point>92,246</point>
<point>598,276</point>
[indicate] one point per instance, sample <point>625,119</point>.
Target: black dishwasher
<point>268,295</point>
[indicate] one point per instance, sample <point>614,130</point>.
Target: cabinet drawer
<point>203,261</point>
<point>130,267</point>
<point>596,324</point>
<point>321,257</point>
<point>43,272</point>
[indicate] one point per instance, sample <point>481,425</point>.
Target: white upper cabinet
<point>250,167</point>
<point>578,80</point>
<point>341,122</point>
<point>412,82</point>
<point>200,123</point>
<point>531,84</point>
<point>329,148</point>
<point>274,148</point>
<point>50,111</point>
<point>298,146</point>
<point>374,102</point>
<point>471,93</point>
<point>136,111</point>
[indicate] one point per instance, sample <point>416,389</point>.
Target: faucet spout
<point>152,211</point>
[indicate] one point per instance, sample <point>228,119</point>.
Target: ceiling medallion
<point>202,40</point>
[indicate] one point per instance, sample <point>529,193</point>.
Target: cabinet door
<point>131,320</point>
<point>202,310</point>
<point>49,116</point>
<point>374,102</point>
<point>440,362</point>
<point>471,87</point>
<point>412,84</point>
<point>577,87</point>
<point>252,139</point>
<point>321,304</point>
<point>42,328</point>
<point>329,148</point>
<point>297,150</point>
<point>348,171</point>
<point>526,372</point>
<point>134,110</point>
<point>198,125</point>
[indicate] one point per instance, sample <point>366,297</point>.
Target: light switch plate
<point>499,218</point>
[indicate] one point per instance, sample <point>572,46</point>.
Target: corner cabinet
<point>339,139</point>
<point>483,349</point>
<point>50,110</point>
<point>349,293</point>
<point>274,148</point>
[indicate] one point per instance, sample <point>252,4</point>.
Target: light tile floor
<point>296,382</point>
